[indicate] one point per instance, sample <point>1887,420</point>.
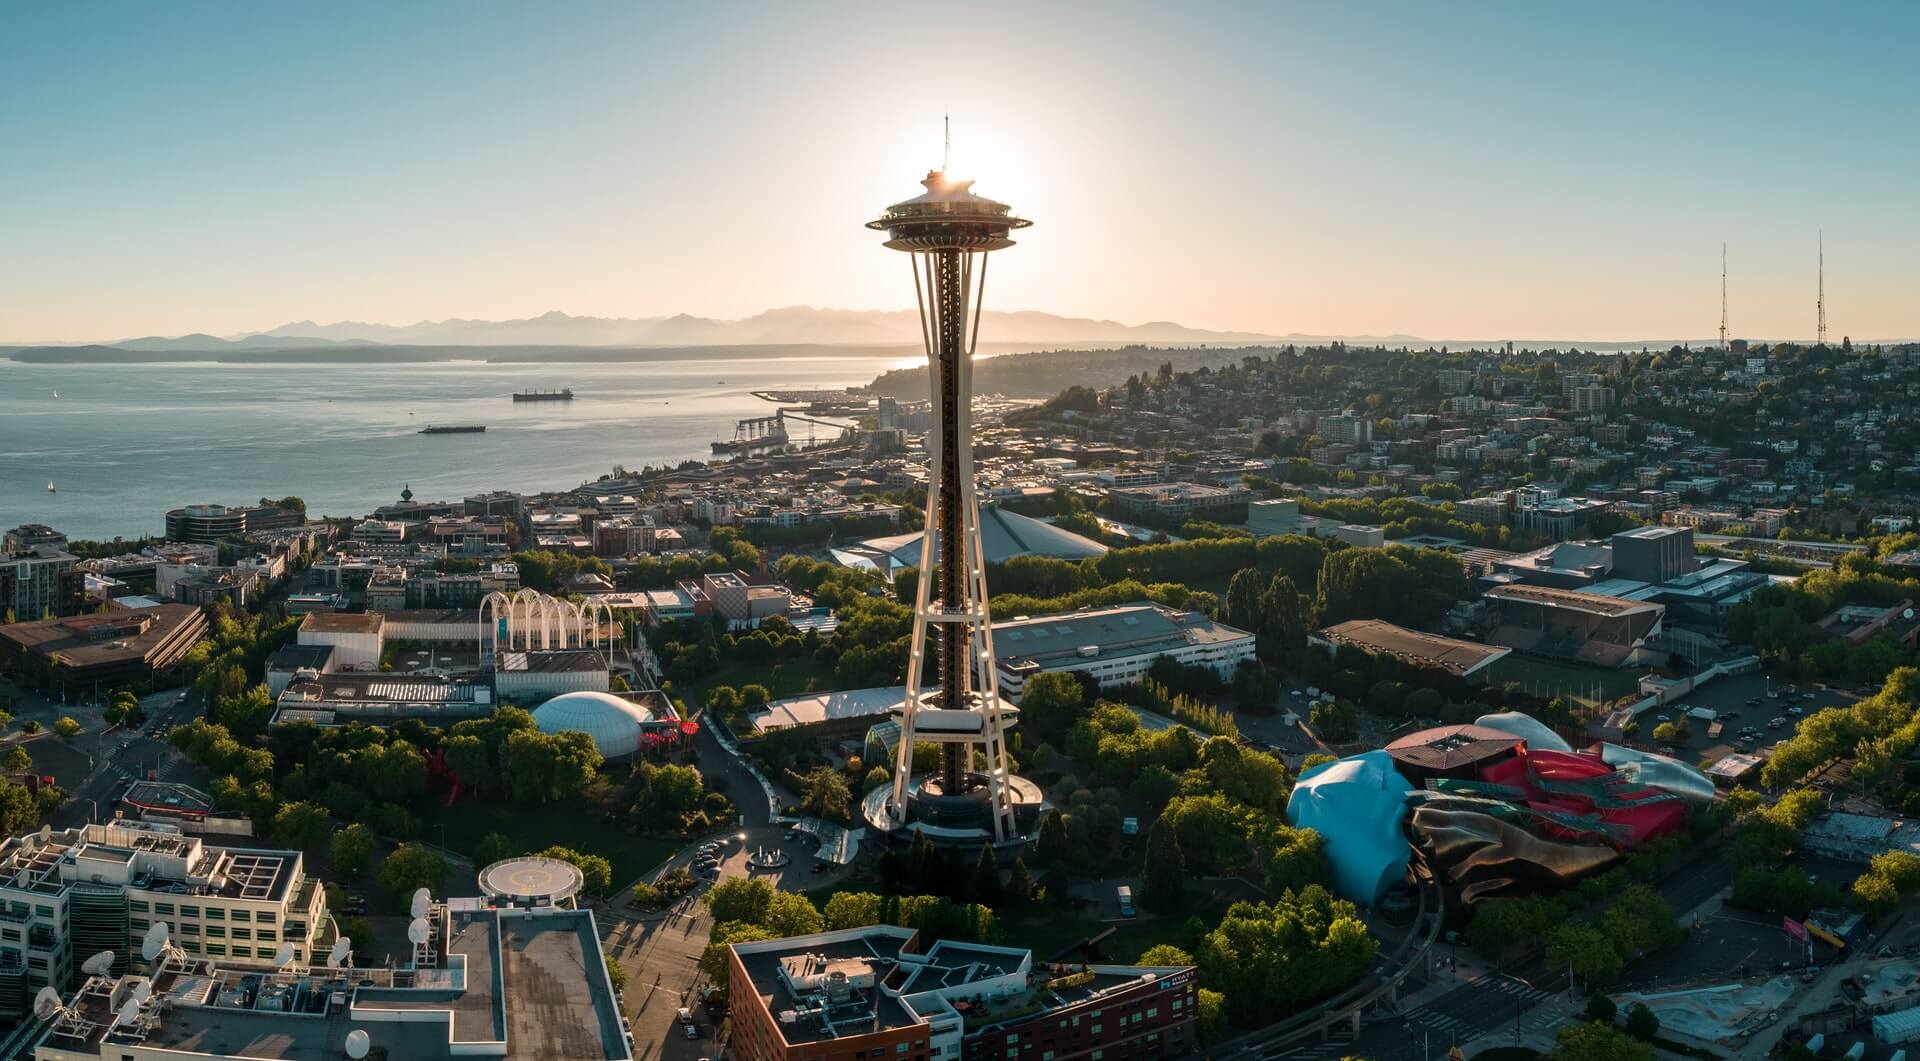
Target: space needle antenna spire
<point>946,142</point>
<point>1820,302</point>
<point>1723,296</point>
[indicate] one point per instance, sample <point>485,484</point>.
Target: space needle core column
<point>947,233</point>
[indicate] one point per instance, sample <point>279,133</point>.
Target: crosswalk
<point>1481,1004</point>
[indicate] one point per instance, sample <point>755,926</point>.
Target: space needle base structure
<point>953,692</point>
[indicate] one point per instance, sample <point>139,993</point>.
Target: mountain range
<point>794,324</point>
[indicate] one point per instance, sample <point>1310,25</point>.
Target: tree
<point>1600,1007</point>
<point>616,974</point>
<point>66,727</point>
<point>1285,952</point>
<point>740,899</point>
<point>302,825</point>
<point>1164,954</point>
<point>411,867</point>
<point>1244,605</point>
<point>596,873</point>
<point>1052,701</point>
<point>986,876</point>
<point>1019,884</point>
<point>713,960</point>
<point>1586,951</point>
<point>1592,1041</point>
<point>493,847</point>
<point>1053,848</point>
<point>1163,877</point>
<point>16,760</point>
<point>1212,1020</point>
<point>826,795</point>
<point>352,850</point>
<point>792,914</point>
<point>1641,1023</point>
<point>19,811</point>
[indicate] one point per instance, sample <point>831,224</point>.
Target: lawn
<point>532,827</point>
<point>791,677</point>
<point>1049,932</point>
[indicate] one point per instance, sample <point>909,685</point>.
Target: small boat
<point>452,429</point>
<point>565,394</point>
<point>56,394</point>
<point>50,486</point>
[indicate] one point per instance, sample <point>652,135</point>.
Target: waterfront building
<point>214,523</point>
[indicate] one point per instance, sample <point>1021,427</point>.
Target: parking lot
<point>1733,702</point>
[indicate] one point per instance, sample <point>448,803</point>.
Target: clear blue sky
<point>1477,170</point>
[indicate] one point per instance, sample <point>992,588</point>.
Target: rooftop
<point>1460,658</point>
<point>1126,629</point>
<point>341,623</point>
<point>812,708</point>
<point>517,984</point>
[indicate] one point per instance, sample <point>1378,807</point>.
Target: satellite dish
<point>46,833</point>
<point>358,1044</point>
<point>129,1012</point>
<point>142,991</point>
<point>283,956</point>
<point>99,965</point>
<point>422,902</point>
<point>154,943</point>
<point>47,1003</point>
<point>418,932</point>
<point>342,949</point>
<point>1908,614</point>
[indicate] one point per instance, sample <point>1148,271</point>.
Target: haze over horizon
<point>1489,172</point>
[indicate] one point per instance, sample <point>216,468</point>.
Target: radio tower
<point>948,231</point>
<point>1820,303</point>
<point>1723,297</point>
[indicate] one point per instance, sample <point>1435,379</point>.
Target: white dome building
<point>614,724</point>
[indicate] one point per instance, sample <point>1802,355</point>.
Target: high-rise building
<point>1351,430</point>
<point>953,699</point>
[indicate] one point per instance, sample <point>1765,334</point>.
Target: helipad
<point>540,881</point>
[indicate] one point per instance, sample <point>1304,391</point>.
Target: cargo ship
<point>564,394</point>
<point>452,429</point>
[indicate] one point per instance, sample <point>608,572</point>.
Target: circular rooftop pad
<point>536,880</point>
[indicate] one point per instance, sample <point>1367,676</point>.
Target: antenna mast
<point>1820,303</point>
<point>946,141</point>
<point>1723,296</point>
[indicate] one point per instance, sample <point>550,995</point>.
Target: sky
<point>1482,170</point>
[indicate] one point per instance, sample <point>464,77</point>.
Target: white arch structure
<point>528,620</point>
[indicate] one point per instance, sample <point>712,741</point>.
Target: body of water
<point>122,444</point>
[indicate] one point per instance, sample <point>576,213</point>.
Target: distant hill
<point>200,342</point>
<point>793,324</point>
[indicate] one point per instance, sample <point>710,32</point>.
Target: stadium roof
<point>1460,658</point>
<point>1003,535</point>
<point>1592,603</point>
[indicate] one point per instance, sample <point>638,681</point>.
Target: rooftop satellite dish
<point>154,943</point>
<point>422,902</point>
<point>1908,614</point>
<point>142,991</point>
<point>99,965</point>
<point>358,1043</point>
<point>342,949</point>
<point>283,956</point>
<point>47,1003</point>
<point>46,833</point>
<point>129,1012</point>
<point>418,932</point>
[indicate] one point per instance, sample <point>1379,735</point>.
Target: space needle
<point>953,699</point>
